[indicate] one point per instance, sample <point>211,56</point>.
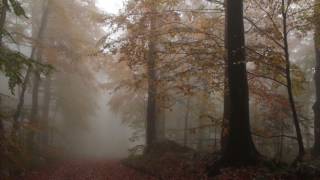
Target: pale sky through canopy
<point>110,6</point>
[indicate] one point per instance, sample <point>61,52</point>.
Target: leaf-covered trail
<point>88,170</point>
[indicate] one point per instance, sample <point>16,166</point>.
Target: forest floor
<point>171,161</point>
<point>119,170</point>
<point>87,170</point>
<point>144,168</point>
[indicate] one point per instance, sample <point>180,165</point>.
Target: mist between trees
<point>236,81</point>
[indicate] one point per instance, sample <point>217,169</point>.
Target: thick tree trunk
<point>226,103</point>
<point>316,106</point>
<point>226,114</point>
<point>152,87</point>
<point>239,149</point>
<point>289,83</point>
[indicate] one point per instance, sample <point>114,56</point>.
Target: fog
<point>170,89</point>
<point>104,137</point>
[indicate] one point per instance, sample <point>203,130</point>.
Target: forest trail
<point>88,170</point>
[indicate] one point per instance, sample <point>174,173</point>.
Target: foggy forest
<point>159,89</point>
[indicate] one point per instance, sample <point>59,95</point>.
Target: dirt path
<point>88,170</point>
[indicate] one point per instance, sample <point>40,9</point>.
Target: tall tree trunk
<point>38,37</point>
<point>34,115</point>
<point>289,82</point>
<point>226,103</point>
<point>2,131</point>
<point>239,149</point>
<point>316,106</point>
<point>152,86</point>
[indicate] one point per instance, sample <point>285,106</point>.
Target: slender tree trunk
<point>316,106</point>
<point>239,149</point>
<point>17,114</point>
<point>34,115</point>
<point>289,82</point>
<point>2,130</point>
<point>39,37</point>
<point>152,87</point>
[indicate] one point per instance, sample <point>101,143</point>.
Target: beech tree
<point>283,21</point>
<point>239,149</point>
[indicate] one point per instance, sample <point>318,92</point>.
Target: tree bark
<point>239,149</point>
<point>289,82</point>
<point>226,113</point>
<point>316,106</point>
